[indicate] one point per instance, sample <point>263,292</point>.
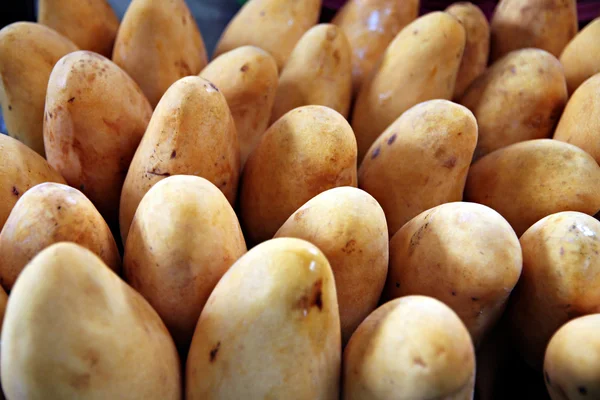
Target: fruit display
<point>379,205</point>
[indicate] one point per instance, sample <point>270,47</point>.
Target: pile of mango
<point>366,209</point>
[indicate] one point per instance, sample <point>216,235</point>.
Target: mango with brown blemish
<point>560,280</point>
<point>159,43</point>
<point>21,168</point>
<point>463,254</point>
<point>49,213</point>
<point>318,72</point>
<point>272,25</point>
<point>88,334</point>
<point>349,227</point>
<point>191,132</point>
<point>528,181</point>
<point>420,64</point>
<point>95,118</point>
<point>183,238</point>
<point>520,97</point>
<point>277,303</point>
<point>28,52</point>
<point>420,161</point>
<point>307,151</point>
<point>414,347</point>
<point>581,57</point>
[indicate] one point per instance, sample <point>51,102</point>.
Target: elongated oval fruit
<point>420,161</point>
<point>191,133</point>
<point>28,52</point>
<point>420,64</point>
<point>248,78</point>
<point>463,254</point>
<point>307,151</point>
<point>416,346</point>
<point>91,25</point>
<point>544,24</point>
<point>88,334</point>
<point>581,57</point>
<point>277,303</point>
<point>273,25</point>
<point>560,281</point>
<point>21,168</point>
<point>530,180</point>
<point>176,273</point>
<point>157,44</point>
<point>477,48</point>
<point>95,118</point>
<point>348,226</point>
<point>50,213</point>
<point>520,97</point>
<point>370,26</point>
<point>330,84</point>
<point>572,364</point>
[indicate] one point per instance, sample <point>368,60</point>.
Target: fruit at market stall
<point>28,52</point>
<point>420,64</point>
<point>49,213</point>
<point>581,57</point>
<point>157,44</point>
<point>307,151</point>
<point>248,78</point>
<point>572,362</point>
<point>414,347</point>
<point>184,237</point>
<point>270,329</point>
<point>191,133</point>
<point>318,72</point>
<point>370,26</point>
<point>91,25</point>
<point>420,161</point>
<point>95,118</point>
<point>21,168</point>
<point>477,47</point>
<point>73,329</point>
<point>580,122</point>
<point>528,181</point>
<point>273,25</point>
<point>463,254</point>
<point>348,226</point>
<point>545,24</point>
<point>560,280</point>
<point>520,97</point>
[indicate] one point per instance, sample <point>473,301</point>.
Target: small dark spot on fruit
<point>9,107</point>
<point>314,298</point>
<point>419,361</point>
<point>244,68</point>
<point>459,133</point>
<point>450,163</point>
<point>82,187</point>
<point>214,351</point>
<point>453,293</point>
<point>375,153</point>
<point>562,251</point>
<point>262,13</point>
<point>475,298</point>
<point>513,70</point>
<point>392,139</point>
<point>397,285</point>
<point>72,99</point>
<point>15,191</point>
<point>582,390</point>
<point>349,247</point>
<point>415,32</point>
<point>540,70</point>
<point>59,207</point>
<point>50,115</point>
<point>183,20</point>
<point>173,154</point>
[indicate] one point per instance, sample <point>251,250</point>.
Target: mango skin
<point>279,301</point>
<point>21,168</point>
<point>560,280</point>
<point>94,120</point>
<point>49,213</point>
<point>414,347</point>
<point>176,273</point>
<point>349,227</point>
<point>370,26</point>
<point>463,254</point>
<point>28,52</point>
<point>91,25</point>
<point>307,151</point>
<point>88,334</point>
<point>248,78</point>
<point>420,161</point>
<point>581,57</point>
<point>191,132</point>
<point>272,25</point>
<point>528,181</point>
<point>571,364</point>
<point>159,43</point>
<point>420,64</point>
